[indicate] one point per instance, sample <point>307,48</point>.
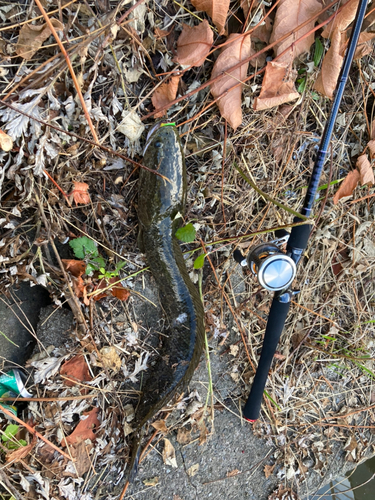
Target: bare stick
<point>70,66</point>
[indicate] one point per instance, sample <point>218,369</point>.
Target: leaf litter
<point>126,75</point>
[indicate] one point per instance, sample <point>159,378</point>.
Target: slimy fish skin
<point>159,201</point>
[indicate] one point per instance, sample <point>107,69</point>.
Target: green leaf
<point>186,233</point>
<point>9,433</point>
<point>84,247</point>
<point>120,265</point>
<point>318,52</point>
<point>302,84</point>
<point>199,261</point>
<point>95,265</point>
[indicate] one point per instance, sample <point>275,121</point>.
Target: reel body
<point>274,269</point>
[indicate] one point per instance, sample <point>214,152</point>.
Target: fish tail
<point>135,455</point>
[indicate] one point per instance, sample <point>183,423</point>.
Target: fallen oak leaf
<point>76,370</point>
<point>216,9</point>
<point>31,38</point>
<point>194,44</point>
<point>277,87</point>
<point>348,186</point>
<point>233,53</point>
<point>366,174</point>
<point>165,94</point>
<point>84,429</point>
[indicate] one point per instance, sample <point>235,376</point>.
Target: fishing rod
<point>275,269</point>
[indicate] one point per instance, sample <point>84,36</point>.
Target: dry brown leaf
<point>289,15</point>
<point>160,426</point>
<point>193,470</point>
<point>169,454</point>
<point>364,45</point>
<point>6,142</point>
<point>176,497</point>
<point>203,432</point>
<point>347,186</point>
<point>84,429</point>
<point>194,44</point>
<point>152,481</point>
<point>263,32</point>
<point>31,38</point>
<point>117,290</point>
<point>78,286</point>
<point>183,436</point>
<point>75,267</point>
<point>216,9</point>
<point>233,53</point>
<point>165,94</point>
<point>366,174</point>
<point>371,146</point>
<point>22,452</point>
<point>159,33</point>
<point>110,359</point>
<point>331,66</point>
<point>75,369</point>
<point>81,454</point>
<point>342,20</point>
<point>268,469</point>
<point>233,473</point>
<point>278,86</point>
<point>245,6</point>
<point>80,193</point>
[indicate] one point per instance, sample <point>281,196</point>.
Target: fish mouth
<point>151,132</point>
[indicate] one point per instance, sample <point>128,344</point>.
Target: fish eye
<point>158,144</point>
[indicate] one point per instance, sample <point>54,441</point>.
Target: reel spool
<point>274,270</point>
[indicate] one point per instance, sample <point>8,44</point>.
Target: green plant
<point>186,233</point>
<point>9,440</point>
<point>85,248</point>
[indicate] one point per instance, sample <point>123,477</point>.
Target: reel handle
<point>275,325</point>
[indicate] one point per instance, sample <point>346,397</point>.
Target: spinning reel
<point>274,269</point>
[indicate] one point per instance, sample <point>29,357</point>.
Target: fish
<point>161,202</point>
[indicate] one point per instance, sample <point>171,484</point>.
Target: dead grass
<point>321,383</point>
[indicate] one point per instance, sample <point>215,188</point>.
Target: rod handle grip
<point>274,328</point>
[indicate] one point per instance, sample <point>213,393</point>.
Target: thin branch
<point>70,66</point>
